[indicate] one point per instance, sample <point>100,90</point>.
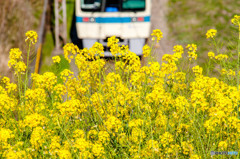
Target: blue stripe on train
<point>112,19</point>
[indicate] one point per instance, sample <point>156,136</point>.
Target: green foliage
<point>47,49</point>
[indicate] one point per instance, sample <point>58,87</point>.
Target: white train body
<point>128,20</point>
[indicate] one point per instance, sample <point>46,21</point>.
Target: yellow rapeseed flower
<point>35,120</point>
<point>152,146</point>
<point>197,70</point>
<point>231,73</point>
<point>69,50</point>
<point>223,71</point>
<point>187,148</point>
<point>169,58</point>
<point>38,137</point>
<point>192,48</point>
<point>99,49</point>
<point>166,139</point>
<point>211,33</point>
<point>221,57</point>
<point>65,74</point>
<point>20,67</point>
<point>178,48</point>
<point>112,40</point>
<point>15,55</point>
<point>124,49</point>
<point>223,145</point>
<point>115,49</point>
<point>146,50</point>
<point>236,20</point>
<point>136,123</point>
<point>64,154</point>
<point>31,37</point>
<point>5,134</point>
<point>113,124</point>
<point>56,59</point>
<point>5,80</point>
<point>157,34</point>
<point>11,87</point>
<point>55,145</point>
<point>211,55</point>
<point>13,154</point>
<point>137,135</point>
<point>169,67</point>
<point>178,51</point>
<point>97,150</point>
<point>81,144</point>
<point>103,136</point>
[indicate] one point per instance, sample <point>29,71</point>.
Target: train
<point>128,20</point>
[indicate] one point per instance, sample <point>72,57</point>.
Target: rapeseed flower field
<point>170,110</point>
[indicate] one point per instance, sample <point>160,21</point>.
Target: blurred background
<point>181,21</point>
<point>16,17</point>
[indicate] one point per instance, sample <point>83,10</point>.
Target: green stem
<point>209,64</point>
<point>152,51</point>
<point>69,141</point>
<point>115,60</point>
<point>215,44</point>
<point>20,94</point>
<point>19,86</point>
<point>238,51</point>
<point>149,115</point>
<point>26,77</point>
<point>100,82</point>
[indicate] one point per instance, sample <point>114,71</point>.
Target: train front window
<point>112,5</point>
<point>91,5</point>
<point>137,5</point>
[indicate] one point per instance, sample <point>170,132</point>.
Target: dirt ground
<point>159,21</point>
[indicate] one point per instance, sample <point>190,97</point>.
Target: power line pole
<point>60,23</point>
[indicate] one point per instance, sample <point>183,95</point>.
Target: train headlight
<point>140,19</point>
<point>89,19</point>
<point>137,19</point>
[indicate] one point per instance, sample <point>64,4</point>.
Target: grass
<point>48,47</point>
<point>189,20</point>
